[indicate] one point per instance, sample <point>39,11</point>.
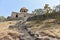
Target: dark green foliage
<point>45,16</point>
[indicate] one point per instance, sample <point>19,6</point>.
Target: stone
<point>22,15</point>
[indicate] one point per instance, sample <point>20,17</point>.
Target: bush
<point>45,16</point>
<point>2,18</point>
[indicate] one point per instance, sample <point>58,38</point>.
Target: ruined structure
<point>23,14</point>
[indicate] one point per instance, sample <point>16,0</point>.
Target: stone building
<point>23,14</point>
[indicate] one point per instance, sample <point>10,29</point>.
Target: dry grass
<point>8,34</point>
<point>7,23</point>
<point>49,27</point>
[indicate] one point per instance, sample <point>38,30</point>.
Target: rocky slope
<point>45,27</point>
<point>40,27</point>
<point>49,27</point>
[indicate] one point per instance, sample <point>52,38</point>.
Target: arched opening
<point>16,15</point>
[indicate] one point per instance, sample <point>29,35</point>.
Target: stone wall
<point>13,15</point>
<point>20,16</point>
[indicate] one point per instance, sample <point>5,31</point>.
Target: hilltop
<point>41,25</point>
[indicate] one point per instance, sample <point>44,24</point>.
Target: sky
<point>9,6</point>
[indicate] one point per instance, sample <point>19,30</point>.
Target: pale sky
<point>7,6</point>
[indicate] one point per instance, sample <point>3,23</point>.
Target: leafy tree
<point>47,8</point>
<point>37,11</point>
<point>2,18</point>
<point>57,8</point>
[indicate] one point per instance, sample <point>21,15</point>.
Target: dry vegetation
<point>6,33</point>
<point>49,27</point>
<point>48,24</point>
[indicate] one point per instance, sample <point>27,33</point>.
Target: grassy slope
<point>48,23</point>
<point>6,33</point>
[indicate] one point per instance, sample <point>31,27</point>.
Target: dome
<point>23,9</point>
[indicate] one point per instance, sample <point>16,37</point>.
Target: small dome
<point>23,9</point>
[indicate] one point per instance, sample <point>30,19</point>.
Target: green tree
<point>2,18</point>
<point>37,11</point>
<point>57,8</point>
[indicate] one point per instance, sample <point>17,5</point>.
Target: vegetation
<point>35,23</point>
<point>37,11</point>
<point>48,23</point>
<point>2,18</point>
<point>57,8</point>
<point>55,15</point>
<point>6,33</point>
<point>47,8</point>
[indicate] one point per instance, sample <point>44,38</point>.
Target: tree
<point>57,8</point>
<point>2,18</point>
<point>38,11</point>
<point>47,8</point>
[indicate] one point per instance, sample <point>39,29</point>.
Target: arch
<point>16,15</point>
